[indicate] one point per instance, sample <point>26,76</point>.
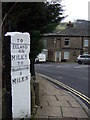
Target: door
<point>57,56</point>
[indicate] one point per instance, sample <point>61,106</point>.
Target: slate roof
<point>79,29</point>
<point>74,32</point>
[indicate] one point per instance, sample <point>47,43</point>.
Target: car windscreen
<point>83,56</point>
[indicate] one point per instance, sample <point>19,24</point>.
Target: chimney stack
<point>70,24</point>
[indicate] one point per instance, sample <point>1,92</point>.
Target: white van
<point>41,57</point>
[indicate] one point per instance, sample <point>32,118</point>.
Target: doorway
<point>57,56</point>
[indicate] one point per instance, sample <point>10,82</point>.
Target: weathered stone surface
<point>74,103</point>
<point>74,112</point>
<point>44,102</point>
<point>59,103</point>
<point>67,97</point>
<point>49,111</point>
<point>83,119</point>
<point>49,98</point>
<point>56,118</point>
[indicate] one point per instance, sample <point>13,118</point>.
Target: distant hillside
<point>60,27</point>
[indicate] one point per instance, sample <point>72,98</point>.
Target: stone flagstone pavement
<point>58,104</point>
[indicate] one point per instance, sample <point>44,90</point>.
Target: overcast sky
<point>75,9</point>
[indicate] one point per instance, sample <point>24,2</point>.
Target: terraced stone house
<point>67,44</point>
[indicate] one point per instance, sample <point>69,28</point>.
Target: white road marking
<point>83,66</point>
<point>44,65</point>
<point>58,66</point>
<point>63,66</point>
<point>60,77</point>
<point>47,65</point>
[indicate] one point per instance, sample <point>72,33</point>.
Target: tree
<point>36,18</point>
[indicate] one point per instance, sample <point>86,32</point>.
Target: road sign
<point>20,74</point>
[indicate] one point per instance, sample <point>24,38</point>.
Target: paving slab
<point>65,97</point>
<point>41,117</point>
<point>54,118</point>
<point>57,103</point>
<point>44,102</point>
<point>51,92</point>
<point>48,98</point>
<point>62,103</point>
<point>74,103</point>
<point>74,112</point>
<point>49,111</point>
<point>83,119</point>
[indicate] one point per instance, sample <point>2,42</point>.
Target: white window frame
<point>66,55</point>
<point>86,43</point>
<point>68,43</point>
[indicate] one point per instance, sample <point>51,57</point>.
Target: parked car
<point>85,58</point>
<point>41,58</point>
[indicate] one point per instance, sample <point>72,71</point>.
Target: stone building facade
<point>67,44</point>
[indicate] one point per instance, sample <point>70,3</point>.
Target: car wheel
<point>79,62</point>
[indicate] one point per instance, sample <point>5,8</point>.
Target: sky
<point>75,9</point>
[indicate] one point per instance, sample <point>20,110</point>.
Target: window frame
<point>67,40</point>
<point>65,56</point>
<point>86,43</point>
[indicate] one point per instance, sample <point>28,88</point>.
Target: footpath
<point>57,104</point>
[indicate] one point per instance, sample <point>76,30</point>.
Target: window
<point>87,56</point>
<point>66,55</point>
<point>85,43</point>
<point>55,40</point>
<point>85,52</point>
<point>82,56</point>
<point>66,42</point>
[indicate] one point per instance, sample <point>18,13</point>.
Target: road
<point>71,74</point>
